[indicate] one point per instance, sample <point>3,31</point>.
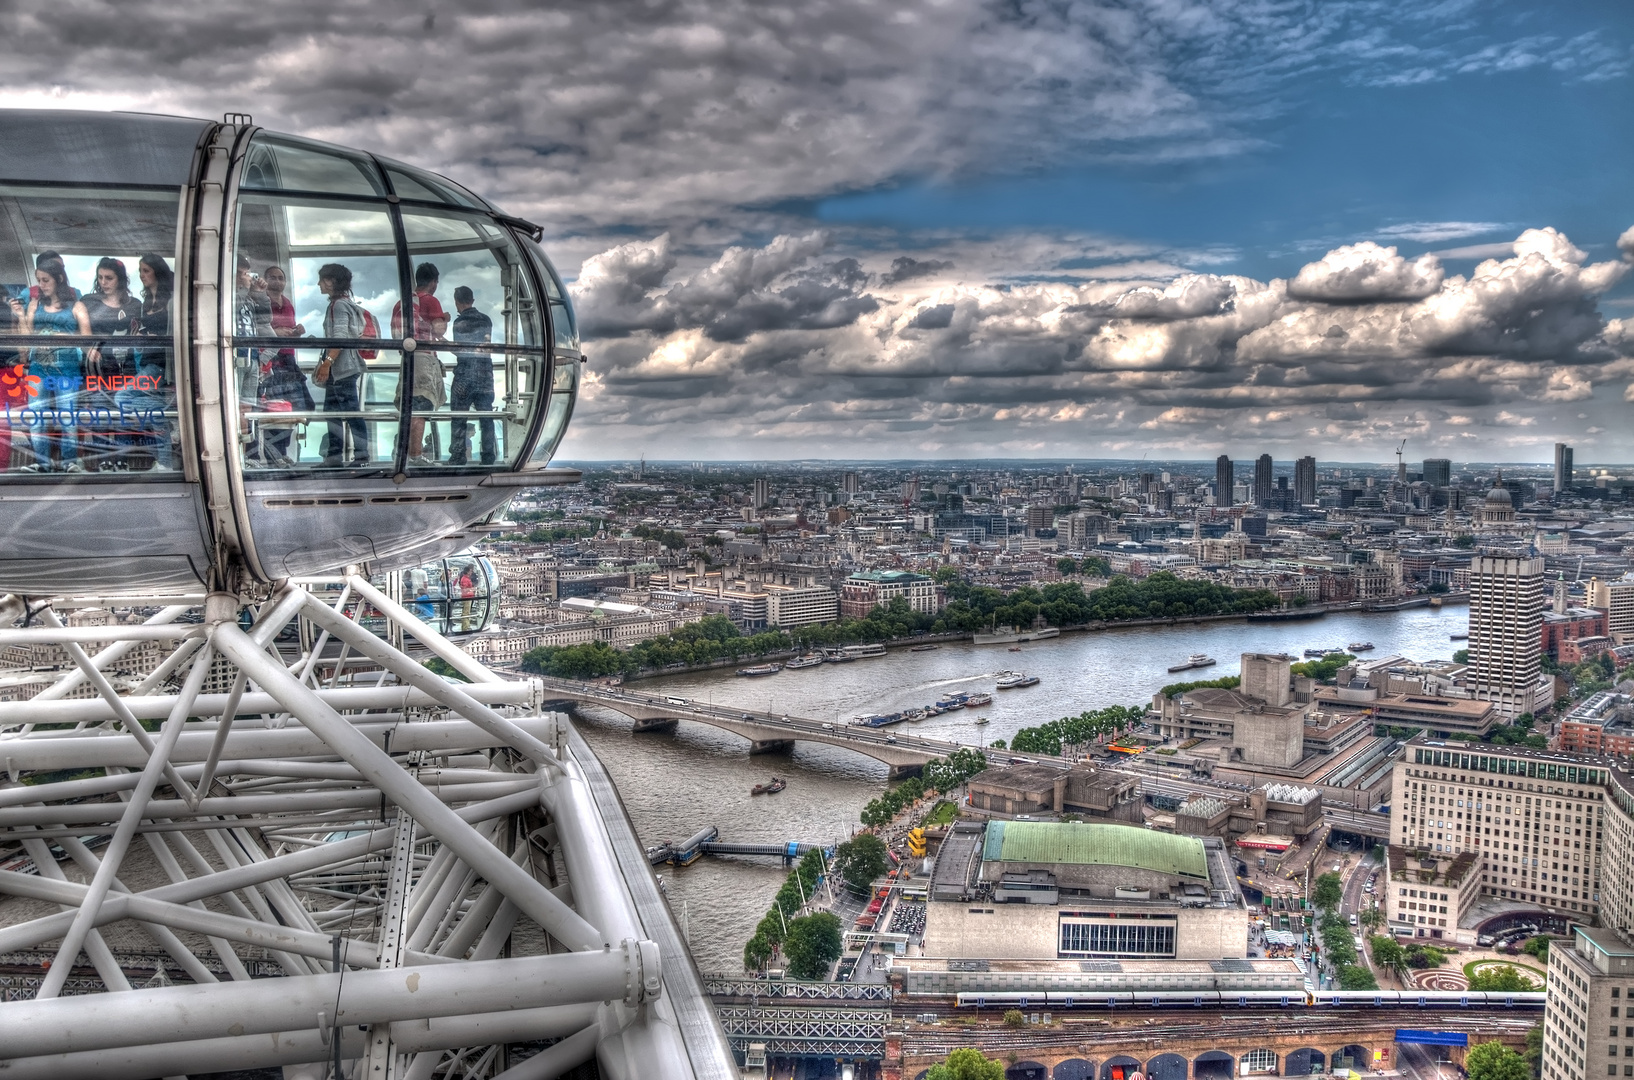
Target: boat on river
<point>1009,635</point>
<point>856,652</point>
<point>1195,660</point>
<point>759,670</point>
<point>951,702</point>
<point>1360,646</point>
<point>777,784</point>
<point>1015,680</point>
<point>808,660</point>
<point>1461,637</point>
<point>924,648</point>
<point>978,699</point>
<point>981,721</point>
<point>1286,614</point>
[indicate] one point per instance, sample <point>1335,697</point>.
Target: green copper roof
<point>1091,844</point>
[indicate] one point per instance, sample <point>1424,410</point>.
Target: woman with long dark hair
<point>112,313</point>
<point>55,310</point>
<point>148,402</point>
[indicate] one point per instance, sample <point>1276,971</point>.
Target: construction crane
<point>1401,466</point>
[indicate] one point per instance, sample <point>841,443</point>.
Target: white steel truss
<point>371,870</point>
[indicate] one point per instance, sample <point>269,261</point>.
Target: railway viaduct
<point>1210,1047</point>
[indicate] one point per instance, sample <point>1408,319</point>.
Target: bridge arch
<point>1121,1067</point>
<point>1306,1061</point>
<point>1213,1065</point>
<point>765,732</point>
<point>1353,1056</point>
<point>1074,1069</point>
<point>1027,1070</point>
<point>1168,1067</point>
<point>1259,1060</point>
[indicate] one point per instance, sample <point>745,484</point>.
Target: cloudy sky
<point>958,228</point>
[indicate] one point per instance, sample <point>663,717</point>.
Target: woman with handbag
<point>340,372</point>
<point>283,384</point>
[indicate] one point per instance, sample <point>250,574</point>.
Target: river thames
<point>675,783</point>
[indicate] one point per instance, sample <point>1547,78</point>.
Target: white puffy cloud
<point>797,343</point>
<point>1366,271</point>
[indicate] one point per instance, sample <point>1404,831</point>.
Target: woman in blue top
<point>62,371</point>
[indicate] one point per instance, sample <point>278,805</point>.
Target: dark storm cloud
<point>904,268</point>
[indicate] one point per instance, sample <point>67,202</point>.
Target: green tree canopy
<point>1387,951</point>
<point>1328,892</point>
<point>860,860</point>
<point>1501,978</point>
<point>1495,1061</point>
<point>1356,977</point>
<point>967,1064</point>
<point>814,942</point>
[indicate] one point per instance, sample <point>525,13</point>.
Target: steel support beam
<point>180,1013</point>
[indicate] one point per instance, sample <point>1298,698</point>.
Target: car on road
<point>890,738</point>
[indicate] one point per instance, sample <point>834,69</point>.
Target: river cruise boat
<point>1195,660</point>
<point>808,660</point>
<point>1461,637</point>
<point>760,669</point>
<point>1015,680</point>
<point>1317,654</point>
<point>1360,646</point>
<point>951,702</point>
<point>1009,635</point>
<point>878,720</point>
<point>862,652</point>
<point>978,699</point>
<point>924,648</point>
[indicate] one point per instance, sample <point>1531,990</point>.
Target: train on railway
<point>1253,999</point>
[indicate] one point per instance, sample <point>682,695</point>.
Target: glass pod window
<point>478,366</point>
<point>328,370</point>
<point>87,357</point>
<point>315,368</point>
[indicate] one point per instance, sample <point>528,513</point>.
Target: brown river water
<point>675,783</point>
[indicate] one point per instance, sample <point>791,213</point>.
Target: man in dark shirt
<point>473,387</point>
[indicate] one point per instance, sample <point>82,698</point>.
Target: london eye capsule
<point>231,356</point>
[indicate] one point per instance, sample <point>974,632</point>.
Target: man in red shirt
<point>430,323</point>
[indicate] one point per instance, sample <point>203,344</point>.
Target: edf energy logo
<point>17,386</point>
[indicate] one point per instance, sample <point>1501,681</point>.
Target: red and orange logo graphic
<point>17,385</point>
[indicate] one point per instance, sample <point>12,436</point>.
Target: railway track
<point>1124,1034</point>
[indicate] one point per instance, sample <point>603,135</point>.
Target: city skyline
<point>958,231</point>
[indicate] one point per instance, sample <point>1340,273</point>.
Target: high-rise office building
<point>763,492</point>
<point>1563,466</point>
<point>1505,630</point>
<point>1616,599</point>
<point>1438,472</point>
<point>1262,480</point>
<point>1224,480</point>
<point>849,484</point>
<point>1305,481</point>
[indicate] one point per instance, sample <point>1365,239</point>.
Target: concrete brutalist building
<point>1045,789</point>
